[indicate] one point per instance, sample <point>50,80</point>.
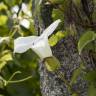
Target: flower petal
<point>48,31</point>
<point>22,44</point>
<point>39,44</point>
<point>42,48</point>
<point>25,23</point>
<point>15,9</point>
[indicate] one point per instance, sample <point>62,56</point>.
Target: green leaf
<point>86,38</point>
<point>90,76</point>
<point>1,83</point>
<point>12,2</point>
<point>2,64</point>
<point>6,57</point>
<point>60,34</point>
<point>3,19</point>
<point>91,90</point>
<point>3,6</point>
<point>52,64</point>
<point>76,73</point>
<point>4,30</point>
<point>53,40</point>
<point>57,14</point>
<point>74,94</point>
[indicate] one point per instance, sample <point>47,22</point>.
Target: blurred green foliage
<point>11,63</point>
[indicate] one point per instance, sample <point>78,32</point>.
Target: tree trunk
<point>53,84</point>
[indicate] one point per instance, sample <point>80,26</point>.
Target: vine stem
<point>6,82</point>
<point>17,81</point>
<point>17,72</point>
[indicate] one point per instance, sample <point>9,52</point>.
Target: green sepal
<point>52,63</point>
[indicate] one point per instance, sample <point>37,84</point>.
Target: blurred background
<point>16,20</point>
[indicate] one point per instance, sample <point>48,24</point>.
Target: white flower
<point>25,23</point>
<point>22,44</point>
<point>24,7</point>
<point>15,9</point>
<point>22,21</point>
<point>26,10</point>
<point>2,39</point>
<point>39,44</point>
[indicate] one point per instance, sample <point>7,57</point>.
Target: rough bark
<point>67,53</point>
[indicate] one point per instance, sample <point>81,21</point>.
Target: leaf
<point>4,30</point>
<point>60,34</point>
<point>3,19</point>
<point>3,6</point>
<point>74,94</point>
<point>92,90</point>
<point>6,56</point>
<point>57,14</point>
<point>12,2</point>
<point>86,38</point>
<point>52,63</point>
<point>76,73</point>
<point>90,76</point>
<point>2,64</point>
<point>1,83</point>
<point>54,39</point>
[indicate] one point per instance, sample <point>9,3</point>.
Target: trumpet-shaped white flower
<point>2,39</point>
<point>39,44</point>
